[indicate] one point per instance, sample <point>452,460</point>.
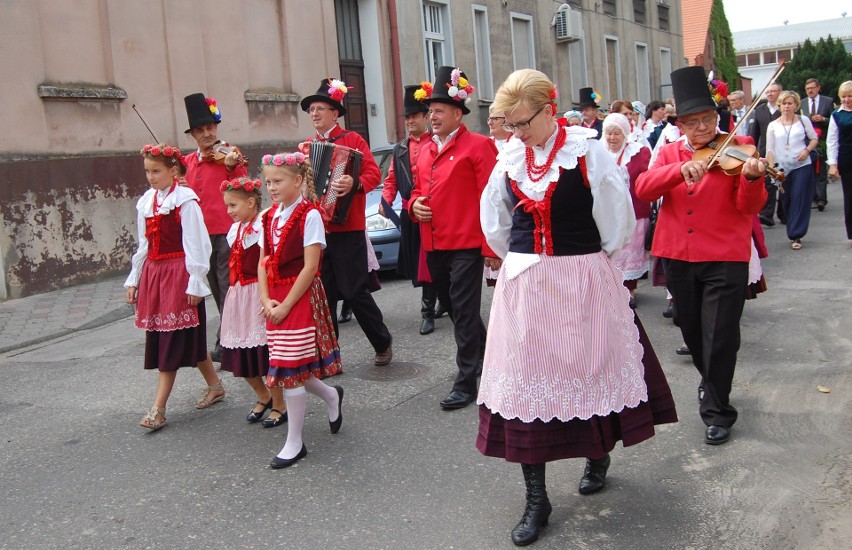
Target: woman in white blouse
<point>789,142</point>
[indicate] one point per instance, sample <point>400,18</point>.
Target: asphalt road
<point>78,472</point>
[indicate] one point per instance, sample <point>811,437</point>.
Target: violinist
<point>704,231</point>
<point>206,169</point>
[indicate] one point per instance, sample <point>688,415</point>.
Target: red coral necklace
<point>536,172</point>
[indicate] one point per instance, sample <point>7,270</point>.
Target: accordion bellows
<point>330,161</point>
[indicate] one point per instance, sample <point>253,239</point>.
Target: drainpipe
<point>397,70</point>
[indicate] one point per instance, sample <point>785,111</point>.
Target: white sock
<point>297,401</point>
<point>326,393</point>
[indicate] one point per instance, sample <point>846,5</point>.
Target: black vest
<point>567,209</point>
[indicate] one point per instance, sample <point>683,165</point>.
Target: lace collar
<point>249,237</point>
<point>513,158</point>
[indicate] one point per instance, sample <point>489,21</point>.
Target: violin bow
<point>732,133</point>
<point>146,124</point>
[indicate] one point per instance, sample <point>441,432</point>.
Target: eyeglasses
<point>494,119</point>
<point>705,120</point>
<point>522,126</point>
<point>318,109</point>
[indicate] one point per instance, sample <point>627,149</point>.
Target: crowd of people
<point>562,215</point>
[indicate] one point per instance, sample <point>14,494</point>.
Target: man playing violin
<point>704,230</point>
<point>206,169</point>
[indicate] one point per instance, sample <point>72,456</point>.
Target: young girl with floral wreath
<point>302,345</point>
<point>167,281</point>
<point>244,350</point>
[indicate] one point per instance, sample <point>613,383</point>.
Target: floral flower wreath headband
<point>282,159</point>
<point>241,184</point>
<point>160,150</point>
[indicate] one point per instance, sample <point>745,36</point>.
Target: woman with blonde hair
<point>839,143</point>
<point>568,369</point>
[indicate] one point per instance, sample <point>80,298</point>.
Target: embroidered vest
<point>165,236</point>
<point>563,217</point>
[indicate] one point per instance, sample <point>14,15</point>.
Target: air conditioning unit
<point>568,23</point>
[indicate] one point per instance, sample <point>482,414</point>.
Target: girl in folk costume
<point>244,350</point>
<point>302,345</point>
<point>568,369</point>
<point>633,157</point>
<point>166,281</point>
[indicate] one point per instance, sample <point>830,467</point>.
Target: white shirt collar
<point>326,134</point>
<point>283,214</point>
<point>441,144</point>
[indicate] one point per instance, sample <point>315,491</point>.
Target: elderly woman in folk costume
<point>568,369</point>
<point>633,157</point>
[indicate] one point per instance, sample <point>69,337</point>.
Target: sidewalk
<point>42,317</point>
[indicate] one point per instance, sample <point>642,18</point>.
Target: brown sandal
<point>150,421</point>
<point>206,401</point>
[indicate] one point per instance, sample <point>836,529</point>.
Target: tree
<point>725,55</point>
<point>827,61</point>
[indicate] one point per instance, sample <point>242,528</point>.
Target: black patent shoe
<point>427,326</point>
<point>668,313</point>
<point>254,416</point>
<point>457,399</point>
<point>594,476</point>
<point>287,462</point>
<point>717,435</point>
<point>345,314</point>
<point>270,422</point>
<point>335,426</point>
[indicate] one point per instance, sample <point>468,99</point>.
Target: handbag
<point>652,226</point>
<point>813,154</point>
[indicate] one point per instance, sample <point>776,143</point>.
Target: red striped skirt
<point>303,344</point>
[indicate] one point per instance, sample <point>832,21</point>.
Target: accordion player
<point>329,161</point>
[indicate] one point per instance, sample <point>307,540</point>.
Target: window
<point>609,7</point>
<point>741,60</point>
<point>753,59</point>
<point>436,32</point>
<point>786,55</point>
<point>523,51</point>
<point>643,73</point>
<point>482,49</point>
<point>768,57</point>
<point>613,69</point>
<point>665,73</point>
<point>663,16</point>
<point>639,11</point>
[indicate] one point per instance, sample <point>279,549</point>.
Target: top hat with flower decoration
<point>331,91</point>
<point>201,110</point>
<point>589,98</point>
<point>690,90</point>
<point>411,105</point>
<point>451,87</point>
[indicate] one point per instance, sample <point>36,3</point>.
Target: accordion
<point>330,161</point>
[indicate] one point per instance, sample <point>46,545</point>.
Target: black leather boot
<point>427,309</point>
<point>594,475</point>
<point>538,508</point>
<point>345,313</point>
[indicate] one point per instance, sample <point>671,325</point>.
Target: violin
<point>730,158</point>
<point>221,149</point>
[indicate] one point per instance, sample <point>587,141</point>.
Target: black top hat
<point>691,92</point>
<point>333,97</point>
<point>411,106</point>
<point>587,98</point>
<point>445,91</point>
<point>200,111</point>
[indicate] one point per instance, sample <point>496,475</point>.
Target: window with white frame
<point>643,73</point>
<point>579,70</point>
<point>523,49</point>
<point>613,69</point>
<point>437,36</point>
<point>482,49</point>
<point>665,74</point>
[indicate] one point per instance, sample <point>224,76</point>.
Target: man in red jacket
<point>451,174</point>
<point>344,262</point>
<point>704,230</point>
<point>205,176</point>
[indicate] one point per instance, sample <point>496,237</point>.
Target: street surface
<point>78,471</point>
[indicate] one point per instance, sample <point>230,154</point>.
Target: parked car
<point>382,232</point>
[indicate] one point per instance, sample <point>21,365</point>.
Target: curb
<point>111,316</point>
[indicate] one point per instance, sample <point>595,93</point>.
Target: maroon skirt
<point>246,362</point>
<point>170,350</point>
<point>537,442</point>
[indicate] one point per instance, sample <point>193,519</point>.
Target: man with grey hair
<point>738,110</point>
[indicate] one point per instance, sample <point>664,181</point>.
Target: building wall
<point>68,165</point>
